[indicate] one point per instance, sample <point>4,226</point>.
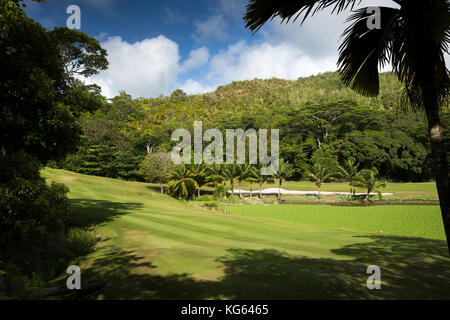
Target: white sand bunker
<point>272,191</point>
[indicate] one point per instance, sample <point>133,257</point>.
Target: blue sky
<point>156,47</point>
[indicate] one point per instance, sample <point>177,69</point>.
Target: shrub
<point>221,191</point>
<point>204,197</point>
<point>234,199</point>
<point>31,212</point>
<point>81,241</point>
<point>210,204</point>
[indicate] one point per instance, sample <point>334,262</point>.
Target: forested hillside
<point>320,121</point>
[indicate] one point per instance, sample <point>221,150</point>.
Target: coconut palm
<point>413,38</point>
<point>214,175</point>
<point>263,178</point>
<point>284,170</point>
<point>198,173</point>
<point>181,183</point>
<point>230,172</point>
<point>350,173</point>
<point>368,179</point>
<point>319,174</point>
<point>244,171</point>
<point>252,177</point>
<point>215,178</point>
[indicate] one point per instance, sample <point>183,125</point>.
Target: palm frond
<point>363,49</point>
<point>260,11</point>
<point>419,44</point>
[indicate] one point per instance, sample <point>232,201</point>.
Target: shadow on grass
<point>411,268</point>
<point>155,188</point>
<point>87,212</point>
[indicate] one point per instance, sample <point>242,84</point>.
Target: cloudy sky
<point>155,47</point>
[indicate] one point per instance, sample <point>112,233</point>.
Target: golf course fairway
<point>152,246</point>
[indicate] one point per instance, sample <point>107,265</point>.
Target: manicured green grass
<point>423,221</point>
<point>410,187</point>
<point>156,247</point>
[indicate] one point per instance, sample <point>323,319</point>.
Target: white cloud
<point>318,36</point>
<point>242,61</point>
<point>196,59</point>
<point>152,66</point>
<point>193,87</point>
<point>102,36</point>
<point>233,8</point>
<point>211,28</point>
<point>145,68</point>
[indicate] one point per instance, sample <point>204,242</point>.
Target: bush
<point>204,197</point>
<point>221,191</point>
<point>234,199</point>
<point>31,212</point>
<point>210,204</point>
<point>81,241</point>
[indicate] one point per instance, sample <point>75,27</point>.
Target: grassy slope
<point>156,247</point>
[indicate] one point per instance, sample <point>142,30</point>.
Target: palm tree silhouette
<point>413,38</point>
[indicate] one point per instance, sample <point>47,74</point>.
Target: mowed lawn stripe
<point>185,233</point>
<point>153,246</point>
<point>407,220</point>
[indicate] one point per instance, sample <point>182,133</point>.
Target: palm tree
<point>230,172</point>
<point>319,175</point>
<point>350,173</point>
<point>368,179</point>
<point>198,173</point>
<point>263,178</point>
<point>284,170</point>
<point>244,171</point>
<point>252,177</point>
<point>413,37</point>
<point>181,182</point>
<point>216,179</point>
<point>214,175</point>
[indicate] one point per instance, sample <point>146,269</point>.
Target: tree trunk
<point>149,148</point>
<point>318,186</point>
<point>350,195</point>
<point>240,194</point>
<point>441,171</point>
<point>232,186</point>
<point>198,192</point>
<point>279,195</point>
<point>260,189</point>
<point>162,188</point>
<point>87,287</point>
<point>251,189</point>
<point>367,195</point>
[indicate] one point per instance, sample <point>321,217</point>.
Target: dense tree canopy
<point>40,104</point>
<point>373,131</point>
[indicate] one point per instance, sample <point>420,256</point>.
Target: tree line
<point>321,121</point>
<point>186,181</point>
